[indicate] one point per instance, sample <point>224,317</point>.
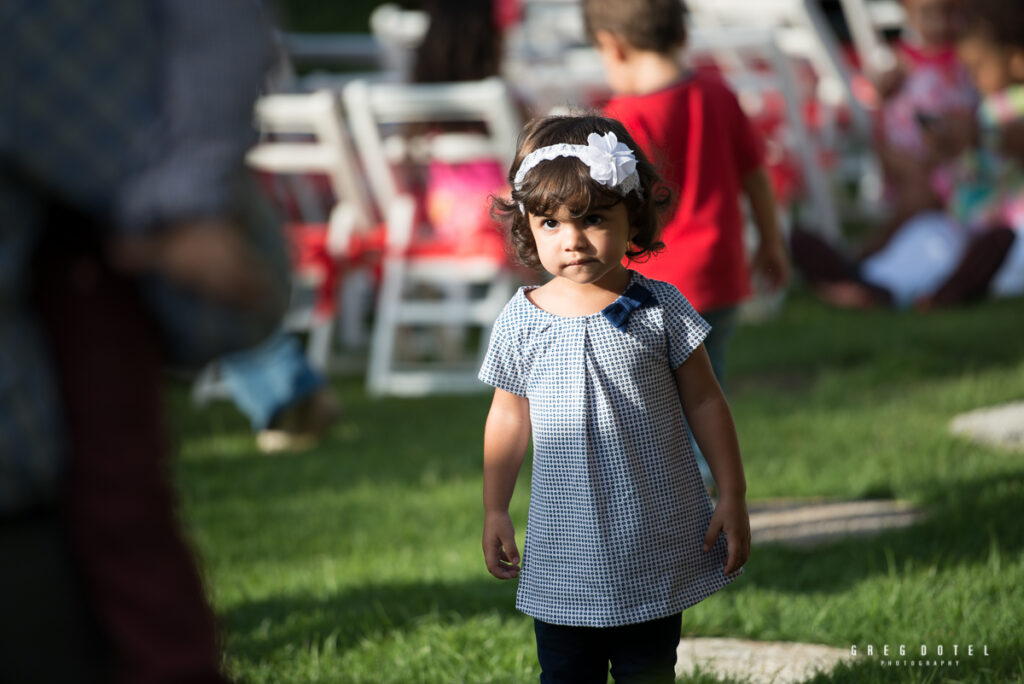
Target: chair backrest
<point>305,134</point>
<point>548,28</point>
<point>803,33</point>
<point>398,33</point>
<point>867,21</point>
<point>380,114</point>
<point>753,63</point>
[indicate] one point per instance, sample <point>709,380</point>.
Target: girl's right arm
<point>506,437</point>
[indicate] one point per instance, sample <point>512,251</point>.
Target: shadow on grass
<point>890,346</point>
<point>379,441</point>
<point>973,522</point>
<point>259,628</point>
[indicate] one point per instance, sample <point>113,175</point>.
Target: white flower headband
<point>611,163</point>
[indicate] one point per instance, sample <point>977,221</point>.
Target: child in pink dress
<point>974,247</point>
<point>927,85</point>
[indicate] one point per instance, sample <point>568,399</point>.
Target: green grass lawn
<point>360,561</point>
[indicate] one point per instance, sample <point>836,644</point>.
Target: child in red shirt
<point>691,126</point>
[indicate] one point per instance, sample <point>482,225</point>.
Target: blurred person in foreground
<point>126,241</point>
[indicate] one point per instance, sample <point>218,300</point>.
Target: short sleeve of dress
<point>503,365</point>
<point>685,330</point>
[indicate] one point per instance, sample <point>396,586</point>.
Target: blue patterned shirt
<point>618,510</point>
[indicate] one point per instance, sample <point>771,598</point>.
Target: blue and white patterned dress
<point>618,510</point>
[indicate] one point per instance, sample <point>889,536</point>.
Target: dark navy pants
<point>644,652</point>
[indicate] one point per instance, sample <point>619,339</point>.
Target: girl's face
<point>992,67</point>
<point>586,250</point>
<point>938,22</point>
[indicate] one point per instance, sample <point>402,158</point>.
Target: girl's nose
<point>573,238</point>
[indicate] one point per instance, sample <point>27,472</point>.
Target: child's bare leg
<point>819,261</point>
<point>835,279</point>
<point>853,294</point>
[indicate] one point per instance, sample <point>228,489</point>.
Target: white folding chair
<point>867,20</point>
<point>751,60</point>
<point>443,290</point>
<point>399,33</point>
<point>803,34</point>
<point>302,135</point>
<point>305,134</point>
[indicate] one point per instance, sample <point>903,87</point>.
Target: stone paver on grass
<point>1001,425</point>
<point>797,523</point>
<point>802,523</point>
<point>758,662</point>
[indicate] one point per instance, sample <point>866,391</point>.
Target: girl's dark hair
<point>1001,21</point>
<point>566,181</point>
<point>462,43</point>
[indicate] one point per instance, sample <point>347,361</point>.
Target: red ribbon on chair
<point>310,254</point>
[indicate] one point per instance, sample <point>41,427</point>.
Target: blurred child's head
<point>462,43</point>
<point>566,181</point>
<point>937,22</point>
<point>617,26</point>
<point>992,47</point>
<point>649,25</point>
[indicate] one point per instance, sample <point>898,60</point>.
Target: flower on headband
<point>610,161</point>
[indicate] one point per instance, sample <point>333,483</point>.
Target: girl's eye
<point>594,219</point>
<point>550,224</point>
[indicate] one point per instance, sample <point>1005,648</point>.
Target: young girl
<point>602,363</point>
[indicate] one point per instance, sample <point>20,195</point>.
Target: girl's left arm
<point>708,415</point>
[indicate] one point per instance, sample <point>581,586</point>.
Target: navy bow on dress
<point>635,297</point>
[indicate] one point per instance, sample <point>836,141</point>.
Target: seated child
<point>463,43</point>
<point>928,84</point>
<point>976,246</point>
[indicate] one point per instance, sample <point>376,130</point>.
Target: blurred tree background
<point>329,16</point>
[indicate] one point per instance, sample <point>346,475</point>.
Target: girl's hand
<point>731,517</point>
<point>500,552</point>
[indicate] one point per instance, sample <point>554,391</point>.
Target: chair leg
<point>318,348</point>
<point>453,335</point>
<point>382,347</point>
<point>209,385</point>
<point>354,296</point>
<point>499,292</point>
